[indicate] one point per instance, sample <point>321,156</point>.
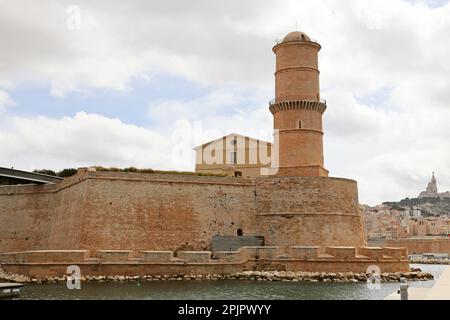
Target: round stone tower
<point>297,108</point>
<point>298,204</point>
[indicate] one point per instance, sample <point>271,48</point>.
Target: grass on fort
<point>71,171</point>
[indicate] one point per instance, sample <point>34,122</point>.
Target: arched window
<point>240,233</point>
<point>300,124</point>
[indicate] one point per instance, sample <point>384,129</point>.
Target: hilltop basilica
<point>432,191</point>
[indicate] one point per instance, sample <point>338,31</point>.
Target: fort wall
<point>25,219</point>
<point>106,210</point>
<point>128,211</point>
<point>107,219</point>
<point>141,212</point>
<point>421,245</point>
<point>309,211</point>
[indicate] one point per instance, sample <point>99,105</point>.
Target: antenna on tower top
<point>296,26</point>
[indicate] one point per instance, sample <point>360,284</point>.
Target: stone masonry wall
<point>38,217</point>
<point>130,211</point>
<point>421,245</point>
<point>154,212</point>
<point>24,218</point>
<point>105,210</point>
<point>309,211</point>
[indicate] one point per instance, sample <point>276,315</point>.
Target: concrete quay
<point>440,290</point>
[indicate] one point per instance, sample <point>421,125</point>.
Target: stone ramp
<point>440,290</point>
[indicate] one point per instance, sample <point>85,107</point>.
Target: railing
<point>278,41</point>
<point>273,102</point>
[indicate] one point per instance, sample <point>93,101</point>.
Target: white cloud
<point>367,46</point>
<point>219,112</point>
<point>81,140</point>
<point>366,43</point>
<point>391,153</point>
<point>5,100</point>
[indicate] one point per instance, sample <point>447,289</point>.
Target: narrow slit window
<point>300,124</point>
<point>233,157</point>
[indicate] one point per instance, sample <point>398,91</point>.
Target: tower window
<point>300,124</point>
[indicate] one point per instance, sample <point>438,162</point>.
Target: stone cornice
<point>287,131</point>
<point>296,43</point>
<point>299,104</point>
<point>300,68</point>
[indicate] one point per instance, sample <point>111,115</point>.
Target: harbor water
<point>222,289</point>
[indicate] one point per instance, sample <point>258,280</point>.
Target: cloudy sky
<point>140,83</point>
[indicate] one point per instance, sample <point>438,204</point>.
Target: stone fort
<point>293,218</point>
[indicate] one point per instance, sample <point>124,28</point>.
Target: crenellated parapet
<point>318,106</point>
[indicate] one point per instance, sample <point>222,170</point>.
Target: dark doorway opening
<point>240,233</point>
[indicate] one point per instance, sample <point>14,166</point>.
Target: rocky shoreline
<point>429,261</point>
<point>343,277</point>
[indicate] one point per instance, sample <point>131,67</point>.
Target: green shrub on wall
<point>65,173</point>
<point>147,170</point>
<point>46,171</point>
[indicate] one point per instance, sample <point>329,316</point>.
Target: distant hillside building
<point>415,212</point>
<point>432,190</point>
